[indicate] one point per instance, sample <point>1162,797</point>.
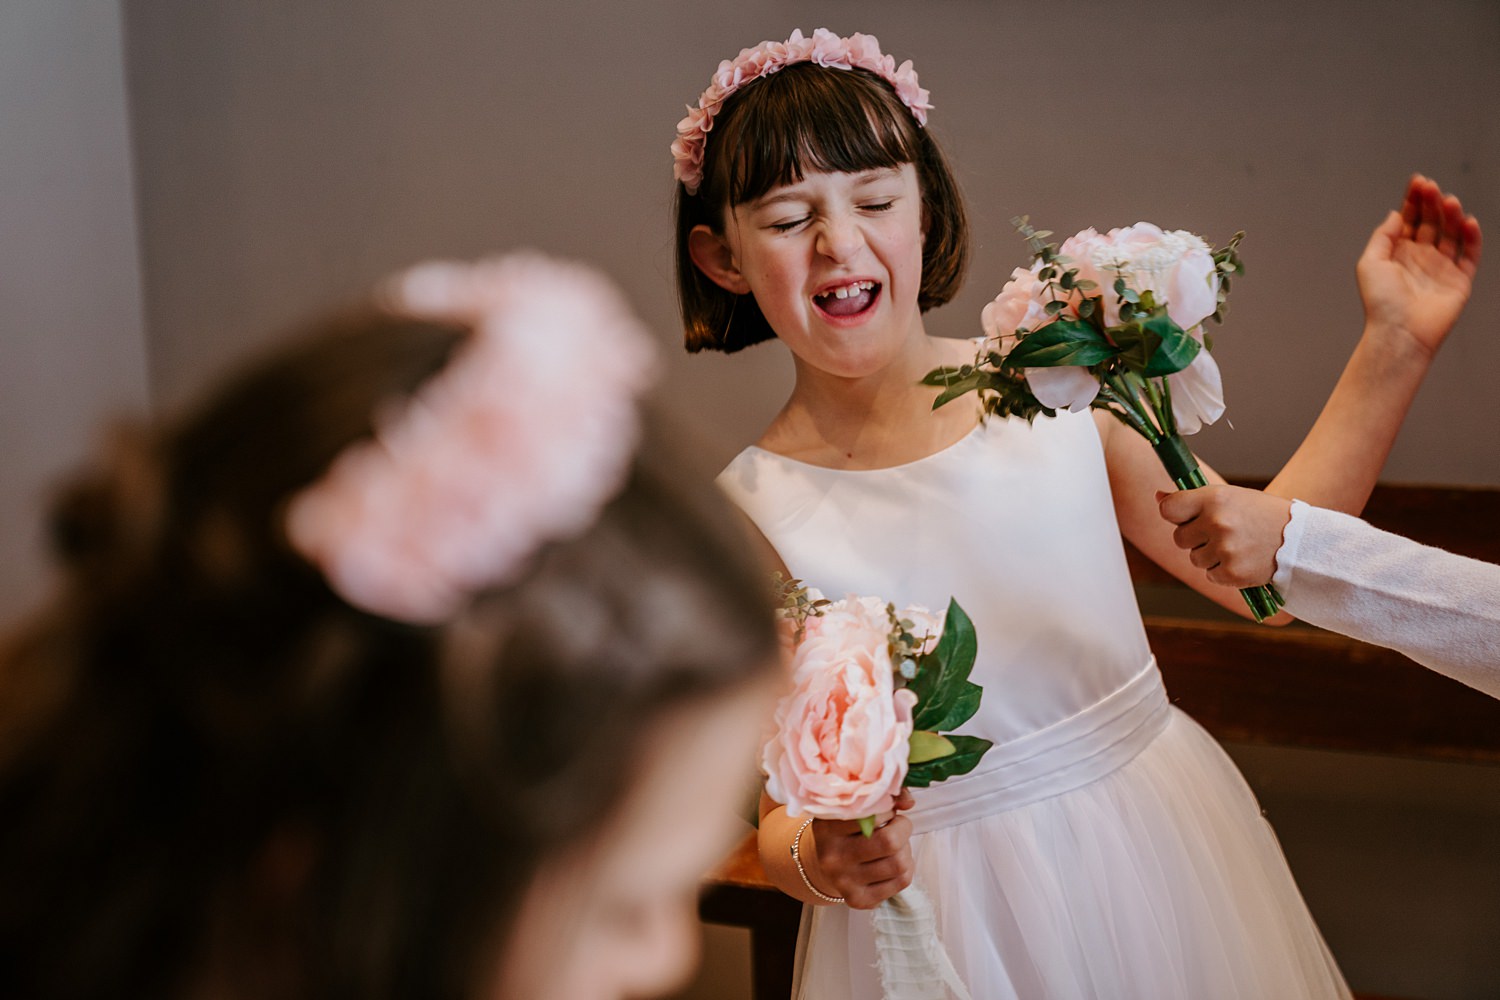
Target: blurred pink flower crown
<point>824,48</point>
<point>522,438</point>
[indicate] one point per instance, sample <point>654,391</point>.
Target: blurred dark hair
<point>208,760</point>
<point>809,117</point>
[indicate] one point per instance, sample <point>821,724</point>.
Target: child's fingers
<point>871,896</point>
<point>1471,241</point>
<point>827,829</point>
<point>1411,206</point>
<point>1430,220</point>
<point>1180,507</point>
<point>883,869</point>
<point>1450,241</point>
<point>905,800</point>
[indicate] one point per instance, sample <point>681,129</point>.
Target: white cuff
<point>1291,543</point>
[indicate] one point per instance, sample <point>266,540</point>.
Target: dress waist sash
<point>1066,755</point>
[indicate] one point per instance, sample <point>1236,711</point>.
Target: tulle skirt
<point>1141,868</point>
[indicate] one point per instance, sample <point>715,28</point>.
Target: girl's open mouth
<point>848,300</point>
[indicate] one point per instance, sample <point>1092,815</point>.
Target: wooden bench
<point>1244,683</point>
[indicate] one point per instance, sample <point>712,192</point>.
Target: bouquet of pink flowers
<point>1111,321</point>
<point>873,691</point>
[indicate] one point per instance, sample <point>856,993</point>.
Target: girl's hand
<point>1418,269</point>
<point>866,871</point>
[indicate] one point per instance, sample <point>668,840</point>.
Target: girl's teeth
<point>854,289</point>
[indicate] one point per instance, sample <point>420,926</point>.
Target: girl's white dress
<point>1106,847</point>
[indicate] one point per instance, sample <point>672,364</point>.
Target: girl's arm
<point>1415,276</point>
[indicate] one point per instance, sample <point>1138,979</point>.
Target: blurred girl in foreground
<point>397,668</point>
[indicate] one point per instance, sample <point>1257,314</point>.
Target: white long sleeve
<point>1440,609</point>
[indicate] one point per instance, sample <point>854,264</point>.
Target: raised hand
<point>1417,271</point>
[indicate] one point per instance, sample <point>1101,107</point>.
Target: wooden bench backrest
<point>1305,687</point>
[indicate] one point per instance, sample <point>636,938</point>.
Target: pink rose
<point>843,732</point>
<point>1022,303</point>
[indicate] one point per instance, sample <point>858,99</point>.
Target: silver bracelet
<point>797,860</point>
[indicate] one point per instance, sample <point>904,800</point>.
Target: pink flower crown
<point>824,48</point>
<point>521,439</point>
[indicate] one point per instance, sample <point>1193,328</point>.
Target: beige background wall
<point>292,152</point>
<point>285,154</point>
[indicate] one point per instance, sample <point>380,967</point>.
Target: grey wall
<point>288,153</point>
<point>291,152</point>
<point>73,344</point>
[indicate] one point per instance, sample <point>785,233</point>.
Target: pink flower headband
<point>824,48</point>
<point>509,446</point>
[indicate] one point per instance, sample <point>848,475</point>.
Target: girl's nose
<point>840,237</point>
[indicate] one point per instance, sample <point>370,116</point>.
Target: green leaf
<point>1063,342</point>
<point>867,825</point>
<point>967,751</point>
<point>946,375</point>
<point>962,380</point>
<point>961,707</point>
<point>958,381</point>
<point>942,674</point>
<point>1137,344</point>
<point>927,746</point>
<point>1175,349</point>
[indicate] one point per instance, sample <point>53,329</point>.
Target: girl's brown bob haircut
<point>808,117</point>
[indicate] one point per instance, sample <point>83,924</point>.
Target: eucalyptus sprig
<point>905,646</point>
<point>796,602</point>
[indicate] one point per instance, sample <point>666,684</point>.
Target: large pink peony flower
<point>843,732</point>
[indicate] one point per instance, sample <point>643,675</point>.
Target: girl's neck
<point>876,421</point>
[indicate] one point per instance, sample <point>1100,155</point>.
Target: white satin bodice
<point>1014,521</point>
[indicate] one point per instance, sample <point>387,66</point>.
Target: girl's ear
<point>712,256</point>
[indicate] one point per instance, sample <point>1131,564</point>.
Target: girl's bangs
<point>810,118</point>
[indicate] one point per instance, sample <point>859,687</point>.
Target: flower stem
<point>1125,392</point>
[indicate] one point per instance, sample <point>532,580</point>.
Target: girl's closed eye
<point>789,225</point>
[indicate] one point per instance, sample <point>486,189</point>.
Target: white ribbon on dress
<point>913,963</point>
